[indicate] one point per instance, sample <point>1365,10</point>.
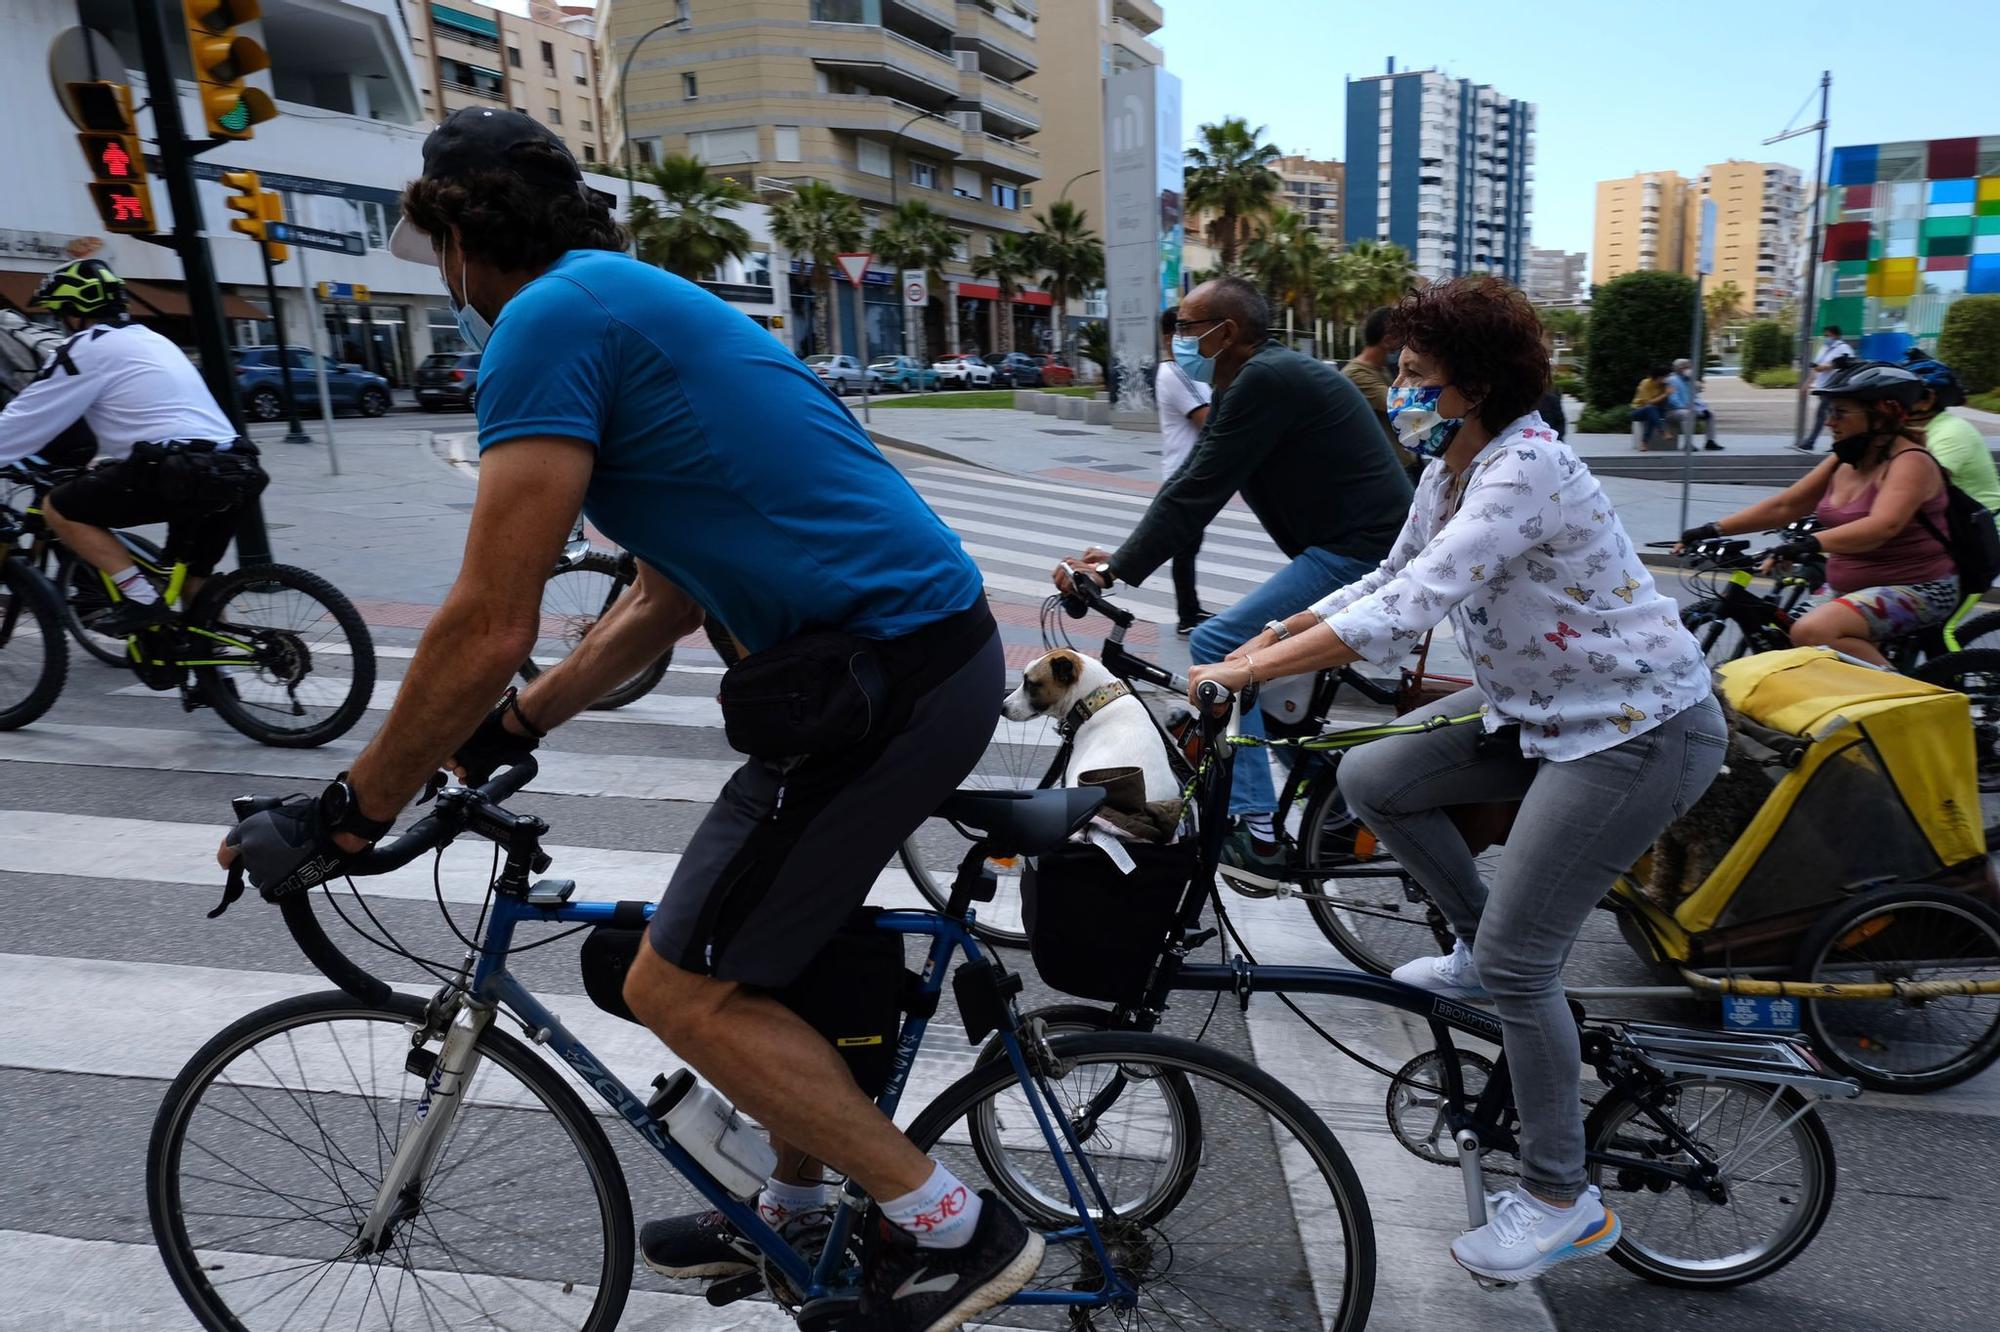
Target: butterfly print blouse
<point>1566,632</point>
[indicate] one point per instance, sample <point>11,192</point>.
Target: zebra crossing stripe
<point>1083,503</point>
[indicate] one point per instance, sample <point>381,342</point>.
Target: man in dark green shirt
<point>1298,441</point>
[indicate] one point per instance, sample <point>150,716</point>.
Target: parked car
<point>1015,370</point>
<point>962,371</point>
<point>448,379</point>
<point>261,388</point>
<point>843,373</point>
<point>1055,371</point>
<point>905,374</point>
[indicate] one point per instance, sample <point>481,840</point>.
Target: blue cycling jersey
<point>721,459</point>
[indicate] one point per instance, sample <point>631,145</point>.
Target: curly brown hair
<point>1486,339</point>
<point>510,221</point>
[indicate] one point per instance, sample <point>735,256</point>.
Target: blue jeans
<point>1652,416</point>
<point>1314,574</point>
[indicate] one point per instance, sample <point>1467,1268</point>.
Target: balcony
<point>880,61</point>
<point>488,92</point>
<point>1002,155</point>
<point>926,20</point>
<point>880,118</point>
<point>1004,51</point>
<point>1004,107</point>
<point>1144,15</point>
<point>1128,37</point>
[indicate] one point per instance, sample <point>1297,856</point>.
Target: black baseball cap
<point>474,139</point>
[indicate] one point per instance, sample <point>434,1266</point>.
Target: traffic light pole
<point>253,543</point>
<point>297,434</point>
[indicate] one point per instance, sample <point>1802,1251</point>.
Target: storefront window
<point>445,336</point>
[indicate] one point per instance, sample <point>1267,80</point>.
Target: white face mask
<point>472,325</point>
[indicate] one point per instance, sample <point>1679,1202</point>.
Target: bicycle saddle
<point>1025,823</point>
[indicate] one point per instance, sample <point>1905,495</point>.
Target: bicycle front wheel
<point>1263,1225</point>
<point>34,660</point>
<point>284,657</point>
<point>270,1146</point>
<point>574,599</point>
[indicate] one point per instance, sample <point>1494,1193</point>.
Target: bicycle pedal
<point>735,1288</point>
<point>830,1312</point>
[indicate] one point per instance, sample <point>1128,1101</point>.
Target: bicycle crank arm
<point>451,1073</point>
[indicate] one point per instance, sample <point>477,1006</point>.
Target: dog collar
<point>1092,703</point>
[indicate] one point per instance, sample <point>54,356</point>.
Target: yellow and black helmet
<point>82,287</point>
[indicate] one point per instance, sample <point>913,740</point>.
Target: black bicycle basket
<point>1096,932</point>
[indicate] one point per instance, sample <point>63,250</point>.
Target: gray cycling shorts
<point>764,885</point>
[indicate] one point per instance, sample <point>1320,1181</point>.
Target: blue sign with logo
<point>1742,1012</point>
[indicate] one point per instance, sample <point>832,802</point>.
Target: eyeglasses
<point>1189,326</point>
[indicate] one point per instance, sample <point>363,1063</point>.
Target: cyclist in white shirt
<point>165,451</point>
<point>1183,401</point>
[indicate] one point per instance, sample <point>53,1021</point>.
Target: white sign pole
<point>315,328</point>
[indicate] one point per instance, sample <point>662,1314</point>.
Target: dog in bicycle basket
<point>1107,726</point>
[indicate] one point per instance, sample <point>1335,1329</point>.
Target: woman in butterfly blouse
<point>1599,718</point>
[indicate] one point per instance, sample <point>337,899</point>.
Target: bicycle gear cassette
<point>1416,1103</point>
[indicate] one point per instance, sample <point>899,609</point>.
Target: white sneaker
<point>1526,1237</point>
<point>1455,974</point>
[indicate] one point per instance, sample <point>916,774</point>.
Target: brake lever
<point>438,781</point>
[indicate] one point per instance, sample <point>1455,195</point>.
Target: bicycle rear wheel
<point>300,665</point>
<point>1261,1225</point>
<point>268,1150</point>
<point>573,600</point>
<point>34,660</point>
<point>84,599</point>
<point>1976,674</point>
<point>1371,910</point>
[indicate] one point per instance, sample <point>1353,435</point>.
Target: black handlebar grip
<point>1211,695</point>
<point>510,782</point>
<point>335,965</point>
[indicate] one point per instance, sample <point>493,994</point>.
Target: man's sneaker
<point>129,617</point>
<point>1526,1238</point>
<point>702,1244</point>
<point>1455,974</point>
<point>1712,447</point>
<point>1804,448</point>
<point>1186,627</point>
<point>913,1289</point>
<point>1252,862</point>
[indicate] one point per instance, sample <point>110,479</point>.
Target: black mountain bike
<point>34,660</point>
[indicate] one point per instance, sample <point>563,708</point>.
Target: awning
<point>986,291</point>
<point>464,22</point>
<point>169,299</point>
<point>18,288</point>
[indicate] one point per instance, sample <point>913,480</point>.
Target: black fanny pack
<point>198,477</point>
<point>827,691</point>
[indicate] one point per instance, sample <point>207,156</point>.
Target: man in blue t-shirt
<point>692,438</point>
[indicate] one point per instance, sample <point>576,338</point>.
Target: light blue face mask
<point>1413,411</point>
<point>473,326</point>
<point>1187,355</point>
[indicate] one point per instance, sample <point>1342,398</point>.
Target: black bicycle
<point>34,660</point>
<point>1707,1144</point>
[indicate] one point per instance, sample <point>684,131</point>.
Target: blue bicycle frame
<point>492,984</point>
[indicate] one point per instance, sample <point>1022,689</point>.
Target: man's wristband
<point>512,703</point>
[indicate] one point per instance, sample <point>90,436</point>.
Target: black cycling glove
<point>1694,536</point>
<point>284,851</point>
<point>1798,547</point>
<point>493,746</point>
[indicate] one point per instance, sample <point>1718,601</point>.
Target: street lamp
<point>1073,180</point>
<point>900,305</point>
<point>625,121</point>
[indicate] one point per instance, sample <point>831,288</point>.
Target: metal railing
<point>497,94</point>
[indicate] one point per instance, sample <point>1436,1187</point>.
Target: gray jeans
<point>1581,824</point>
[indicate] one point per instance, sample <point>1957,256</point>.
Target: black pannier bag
<point>1094,931</point>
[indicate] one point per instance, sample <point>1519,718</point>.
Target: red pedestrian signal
<point>126,208</point>
<point>117,160</point>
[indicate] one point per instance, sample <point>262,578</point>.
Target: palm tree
<point>1010,260</point>
<point>1724,306</point>
<point>817,224</point>
<point>1070,254</point>
<point>1286,259</point>
<point>915,235</point>
<point>1385,272</point>
<point>1229,174</point>
<point>686,232</point>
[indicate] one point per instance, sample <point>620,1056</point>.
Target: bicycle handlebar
<point>465,810</point>
<point>1085,596</point>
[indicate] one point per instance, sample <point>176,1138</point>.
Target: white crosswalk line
<point>1085,504</point>
<point>1059,544</point>
<point>1128,499</point>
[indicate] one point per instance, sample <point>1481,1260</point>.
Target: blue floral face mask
<point>1413,412</point>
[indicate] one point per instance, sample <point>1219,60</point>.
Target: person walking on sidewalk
<point>1833,356</point>
<point>1295,437</point>
<point>692,439</point>
<point>1370,372</point>
<point>1684,402</point>
<point>1183,402</point>
<point>1600,722</point>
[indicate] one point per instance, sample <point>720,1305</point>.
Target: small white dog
<point>1108,726</point>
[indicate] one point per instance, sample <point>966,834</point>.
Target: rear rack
<point>1768,1059</point>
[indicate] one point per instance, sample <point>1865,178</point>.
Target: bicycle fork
<point>450,1076</point>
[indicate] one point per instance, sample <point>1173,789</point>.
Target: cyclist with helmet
<point>161,441</point>
<point>1951,439</point>
<point>1880,501</point>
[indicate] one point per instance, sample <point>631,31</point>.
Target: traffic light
<point>274,211</point>
<point>259,207</point>
<point>110,141</point>
<point>222,56</point>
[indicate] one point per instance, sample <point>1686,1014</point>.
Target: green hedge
<point>1969,342</point>
<point>1767,344</point>
<point>1604,421</point>
<point>1569,385</point>
<point>1985,402</point>
<point>1778,376</point>
<point>1637,321</point>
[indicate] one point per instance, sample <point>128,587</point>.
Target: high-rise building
<point>1555,277</point>
<point>1080,43</point>
<point>1908,229</point>
<point>1443,167</point>
<point>1642,225</point>
<point>543,64</point>
<point>1651,220</point>
<point>1313,188</point>
<point>886,100</point>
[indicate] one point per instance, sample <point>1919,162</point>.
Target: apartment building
<point>1651,220</point>
<point>1081,43</point>
<point>1313,188</point>
<point>1645,221</point>
<point>884,99</point>
<point>543,64</point>
<point>1443,167</point>
<point>1555,277</point>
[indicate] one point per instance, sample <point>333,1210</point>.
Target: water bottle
<point>708,1128</point>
